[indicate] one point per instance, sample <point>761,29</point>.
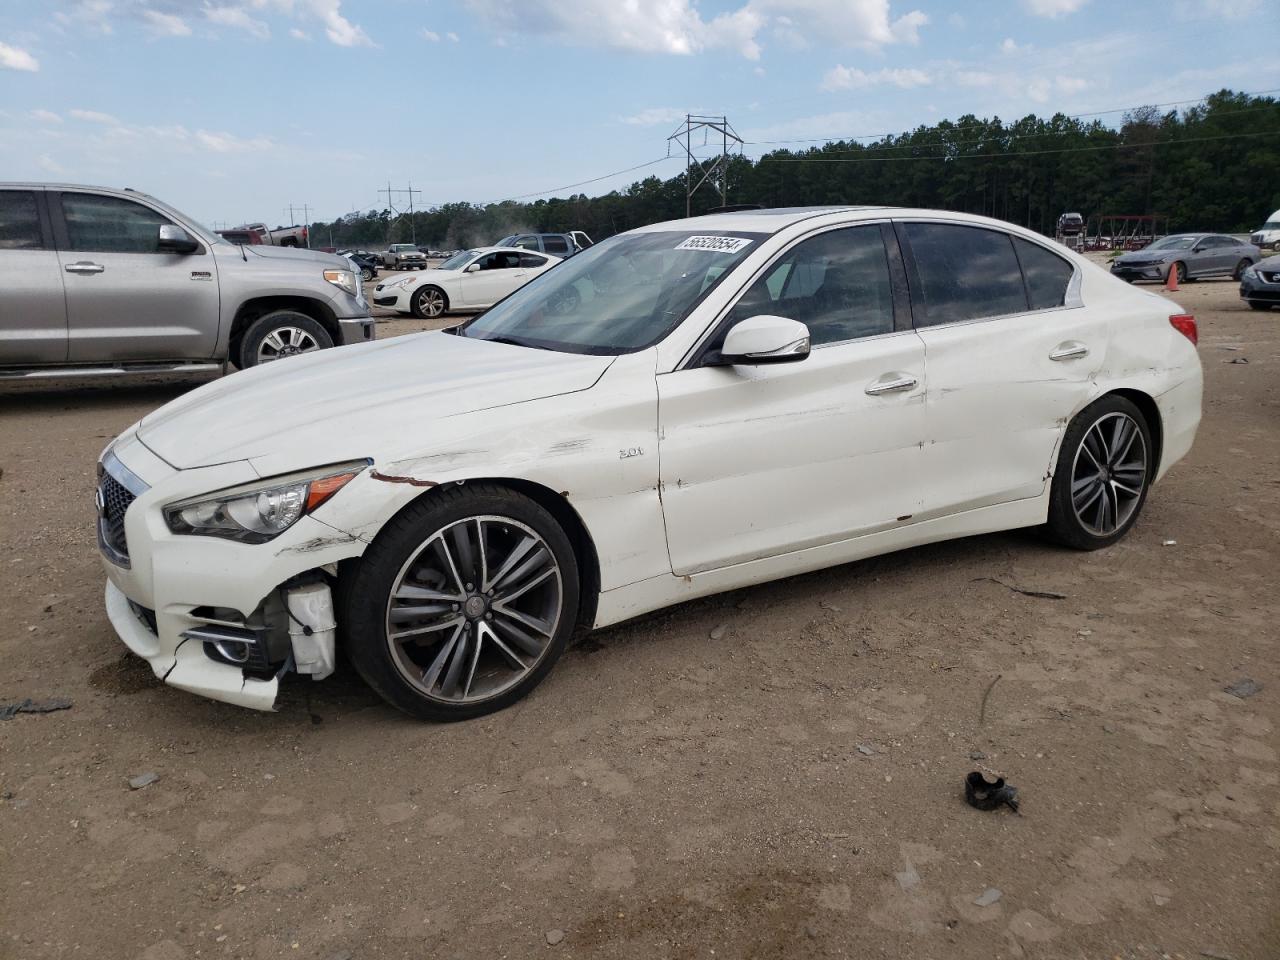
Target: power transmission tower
<point>410,191</point>
<point>306,218</point>
<point>718,172</point>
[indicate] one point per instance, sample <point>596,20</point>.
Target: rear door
<point>127,300</point>
<point>33,310</point>
<point>1010,355</point>
<point>556,245</point>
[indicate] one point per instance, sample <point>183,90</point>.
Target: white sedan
<point>730,399</point>
<point>468,281</point>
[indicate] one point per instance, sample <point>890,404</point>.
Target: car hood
<point>1141,256</point>
<point>298,254</point>
<point>423,276</point>
<point>357,401</point>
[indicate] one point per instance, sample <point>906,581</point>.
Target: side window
<point>19,221</point>
<point>963,273</point>
<point>836,283</point>
<point>556,246</point>
<point>526,243</point>
<point>489,262</point>
<point>110,224</point>
<point>532,261</point>
<point>1047,274</point>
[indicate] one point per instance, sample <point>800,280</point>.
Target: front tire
<point>428,303</point>
<point>1259,305</point>
<point>463,604</point>
<point>366,274</point>
<point>1103,473</point>
<point>280,334</point>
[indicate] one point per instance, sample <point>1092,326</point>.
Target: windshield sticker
<point>715,244</point>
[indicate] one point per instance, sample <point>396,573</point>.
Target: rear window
<point>555,245</point>
<point>19,221</point>
<point>1046,273</point>
<point>963,273</point>
<point>532,260</point>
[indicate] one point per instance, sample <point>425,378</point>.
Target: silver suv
<point>103,281</point>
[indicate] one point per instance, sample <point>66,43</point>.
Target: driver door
<point>126,300</point>
<point>758,461</point>
<point>500,273</point>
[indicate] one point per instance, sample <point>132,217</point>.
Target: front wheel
<point>428,303</point>
<point>1259,305</point>
<point>280,334</point>
<point>463,603</point>
<point>1241,267</point>
<point>1104,470</point>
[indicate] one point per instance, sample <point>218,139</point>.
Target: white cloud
<point>677,26</point>
<point>975,78</point>
<point>45,116</point>
<point>430,35</point>
<point>237,17</point>
<point>655,116</point>
<point>299,34</point>
<point>15,58</point>
<point>230,143</point>
<point>337,28</point>
<point>851,78</point>
<point>1053,8</point>
<point>165,24</point>
<point>1009,45</point>
<point>49,165</point>
<point>1218,9</point>
<point>94,116</point>
<point>758,71</point>
<point>453,37</point>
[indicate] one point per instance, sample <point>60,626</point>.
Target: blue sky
<point>233,109</point>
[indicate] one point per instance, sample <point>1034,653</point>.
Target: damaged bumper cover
<point>217,618</point>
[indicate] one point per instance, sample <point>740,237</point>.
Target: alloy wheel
<point>1109,474</point>
<point>474,609</point>
<point>430,302</point>
<point>285,342</point>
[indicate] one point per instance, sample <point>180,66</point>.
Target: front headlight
<point>401,282</point>
<point>344,279</point>
<point>258,512</point>
<point>1251,272</point>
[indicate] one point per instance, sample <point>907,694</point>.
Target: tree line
<point>1212,166</point>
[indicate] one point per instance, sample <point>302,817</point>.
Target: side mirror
<point>764,339</point>
<point>472,267</point>
<point>173,239</point>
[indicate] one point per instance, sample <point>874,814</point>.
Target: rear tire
<point>366,274</point>
<point>1241,267</point>
<point>1103,473</point>
<point>1179,269</point>
<point>424,617</point>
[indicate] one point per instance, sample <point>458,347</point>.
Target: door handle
<point>84,266</point>
<point>1070,350</point>
<point>891,383</point>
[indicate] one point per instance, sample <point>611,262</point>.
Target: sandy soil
<point>771,773</point>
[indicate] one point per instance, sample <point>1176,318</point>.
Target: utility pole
<point>718,172</point>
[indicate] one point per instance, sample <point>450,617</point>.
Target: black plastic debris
<point>1038,594</point>
<point>981,794</point>
<point>9,710</point>
<point>1244,687</point>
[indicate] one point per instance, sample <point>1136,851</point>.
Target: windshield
<point>622,295</point>
<point>505,241</point>
<point>458,260</point>
<point>1174,243</point>
<point>1270,225</point>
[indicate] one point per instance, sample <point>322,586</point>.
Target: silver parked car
<point>1190,256</point>
<point>101,281</point>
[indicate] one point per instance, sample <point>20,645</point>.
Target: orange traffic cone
<point>1171,283</point>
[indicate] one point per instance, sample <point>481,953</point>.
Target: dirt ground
<point>772,773</point>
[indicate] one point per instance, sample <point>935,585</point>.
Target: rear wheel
<point>1103,473</point>
<point>463,604</point>
<point>1180,271</point>
<point>366,274</point>
<point>427,303</point>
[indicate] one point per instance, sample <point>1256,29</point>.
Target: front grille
<point>114,501</point>
<point>1270,277</point>
<point>145,615</point>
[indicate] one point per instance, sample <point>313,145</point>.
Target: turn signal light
<point>321,490</point>
<point>1185,324</point>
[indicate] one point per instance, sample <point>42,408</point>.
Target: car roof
<point>754,221</point>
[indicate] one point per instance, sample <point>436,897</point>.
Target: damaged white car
<point>687,408</point>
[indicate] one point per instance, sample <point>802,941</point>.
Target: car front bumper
<point>174,586</point>
<point>1155,271</point>
<point>357,330</point>
<point>1264,288</point>
<point>393,298</point>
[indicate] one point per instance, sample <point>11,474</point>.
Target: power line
<point>824,158</point>
<point>583,183</point>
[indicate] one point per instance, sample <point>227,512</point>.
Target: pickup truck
<point>101,282</point>
<point>560,245</point>
<point>404,256</point>
<point>294,236</point>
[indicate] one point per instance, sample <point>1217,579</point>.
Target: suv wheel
<point>463,603</point>
<point>280,334</point>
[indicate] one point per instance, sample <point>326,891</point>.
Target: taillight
<point>1185,324</point>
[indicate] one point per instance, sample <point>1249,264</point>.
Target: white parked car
<point>468,281</point>
<point>731,399</point>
